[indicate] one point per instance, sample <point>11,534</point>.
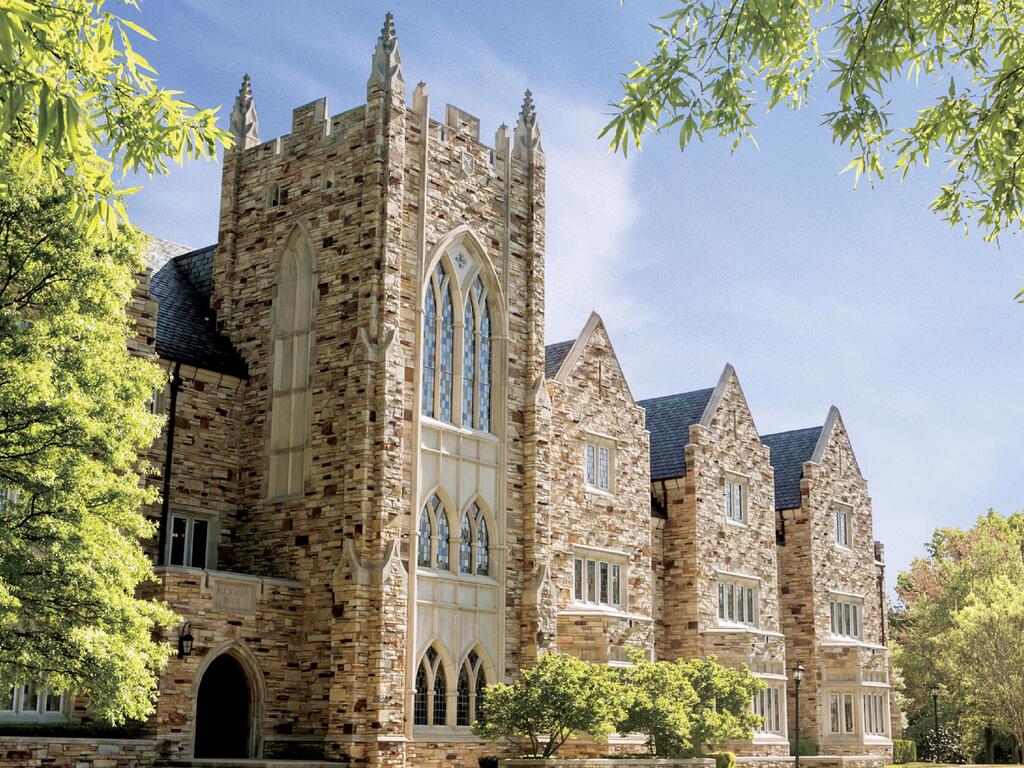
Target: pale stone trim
<point>577,348</point>
<point>735,575</point>
<point>184,569</point>
<point>739,629</point>
<point>839,593</point>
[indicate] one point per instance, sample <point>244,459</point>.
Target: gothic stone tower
<point>382,275</point>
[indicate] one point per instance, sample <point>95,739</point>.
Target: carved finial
<point>387,61</point>
<point>501,139</point>
<point>527,135</point>
<point>245,125</point>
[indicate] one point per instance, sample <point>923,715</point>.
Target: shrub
<point>559,697</point>
<point>807,748</point>
<point>945,749</point>
<point>904,751</point>
<point>723,759</point>
<point>73,730</point>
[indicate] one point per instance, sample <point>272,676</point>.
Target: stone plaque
<point>234,596</point>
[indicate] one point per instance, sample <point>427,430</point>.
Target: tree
<point>683,706</point>
<point>659,702</point>
<point>989,653</point>
<point>958,571</point>
<point>559,697</point>
<point>73,422</point>
<point>74,88</point>
<point>723,703</point>
<point>715,60</point>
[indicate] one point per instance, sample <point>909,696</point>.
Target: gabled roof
<point>181,283</point>
<point>554,356</point>
<point>789,452</point>
<point>668,420</point>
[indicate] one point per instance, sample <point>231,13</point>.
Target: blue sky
<point>766,258</point>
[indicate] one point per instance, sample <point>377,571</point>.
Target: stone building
<point>382,492</point>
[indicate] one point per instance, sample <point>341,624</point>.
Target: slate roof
<point>668,420</point>
<point>789,452</point>
<point>181,282</point>
<point>554,356</point>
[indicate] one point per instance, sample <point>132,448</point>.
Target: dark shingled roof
<point>554,356</point>
<point>668,420</point>
<point>789,452</point>
<point>184,321</point>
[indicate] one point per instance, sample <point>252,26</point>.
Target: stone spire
<point>245,125</point>
<point>526,139</point>
<point>387,61</point>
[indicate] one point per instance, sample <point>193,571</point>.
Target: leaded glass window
<point>440,697</point>
<point>462,698</point>
<point>423,547</point>
<point>429,351</point>
<point>483,563</point>
<point>447,352</point>
<point>442,298</point>
<point>470,689</point>
<point>484,375</point>
<point>420,702</point>
<point>466,545</point>
<point>442,540</point>
<point>468,364</point>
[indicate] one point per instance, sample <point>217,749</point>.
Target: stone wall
<point>593,402</point>
<point>61,752</point>
<point>259,622</point>
<point>700,544</point>
<point>813,567</point>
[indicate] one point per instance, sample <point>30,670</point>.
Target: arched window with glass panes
<point>442,298</point>
<point>433,545</point>
<point>430,702</point>
<point>474,542</point>
<point>469,691</point>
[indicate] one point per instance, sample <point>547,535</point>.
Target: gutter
<point>168,461</point>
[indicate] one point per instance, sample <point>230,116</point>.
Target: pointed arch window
<point>470,689</point>
<point>434,540</point>
<point>438,347</point>
<point>474,542</point>
<point>292,345</point>
<point>476,360</point>
<point>430,704</point>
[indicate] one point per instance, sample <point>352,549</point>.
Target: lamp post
<point>798,675</point>
<point>935,713</point>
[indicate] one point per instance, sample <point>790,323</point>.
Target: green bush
<point>904,751</point>
<point>807,748</point>
<point>723,759</point>
<point>488,761</point>
<point>72,730</point>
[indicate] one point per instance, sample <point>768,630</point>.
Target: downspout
<point>168,460</point>
<point>881,598</point>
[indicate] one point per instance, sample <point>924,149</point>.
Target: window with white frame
<point>874,714</point>
<point>844,617</point>
<point>23,701</point>
<point>735,500</point>
<point>842,518</point>
<point>767,705</point>
<point>840,713</point>
<point>188,542</point>
<point>737,602</point>
<point>599,465</point>
<point>599,581</point>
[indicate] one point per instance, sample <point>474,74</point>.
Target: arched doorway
<point>224,710</point>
